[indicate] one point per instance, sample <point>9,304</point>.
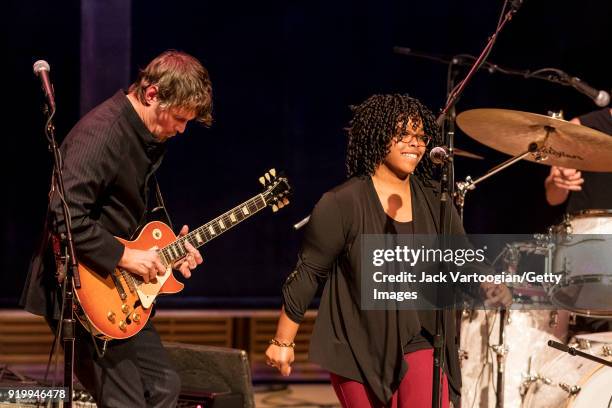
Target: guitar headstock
<point>277,189</point>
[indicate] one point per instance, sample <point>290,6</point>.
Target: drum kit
<point>505,358</point>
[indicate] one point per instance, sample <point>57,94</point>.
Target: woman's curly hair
<point>375,124</point>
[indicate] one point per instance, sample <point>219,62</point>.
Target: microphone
<point>439,155</point>
<point>41,69</point>
<point>601,98</point>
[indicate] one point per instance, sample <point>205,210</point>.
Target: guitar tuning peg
<point>273,172</point>
<point>274,208</point>
<point>262,181</point>
<point>285,201</point>
<point>267,176</point>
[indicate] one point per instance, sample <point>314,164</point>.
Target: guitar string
<point>253,205</point>
<point>178,245</point>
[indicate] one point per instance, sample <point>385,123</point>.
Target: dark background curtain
<point>284,74</point>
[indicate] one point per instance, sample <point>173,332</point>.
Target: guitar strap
<point>160,202</point>
<point>148,215</point>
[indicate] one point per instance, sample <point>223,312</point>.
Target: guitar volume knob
<point>111,316</point>
<point>122,325</point>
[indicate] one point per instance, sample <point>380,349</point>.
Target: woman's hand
<point>281,358</point>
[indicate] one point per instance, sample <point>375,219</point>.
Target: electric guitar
<point>118,306</point>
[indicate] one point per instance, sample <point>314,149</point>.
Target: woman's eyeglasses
<point>422,140</point>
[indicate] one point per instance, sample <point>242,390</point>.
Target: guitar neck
<point>207,232</point>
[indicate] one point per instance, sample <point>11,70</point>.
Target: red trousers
<point>414,391</point>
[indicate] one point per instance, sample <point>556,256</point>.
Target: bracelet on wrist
<point>281,344</point>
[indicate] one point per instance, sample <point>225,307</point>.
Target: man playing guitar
<point>108,160</point>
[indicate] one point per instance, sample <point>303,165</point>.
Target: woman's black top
<point>363,345</point>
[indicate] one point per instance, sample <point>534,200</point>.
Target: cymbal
<point>465,153</point>
<point>560,143</point>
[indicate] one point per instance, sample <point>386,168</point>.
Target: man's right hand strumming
<point>146,264</point>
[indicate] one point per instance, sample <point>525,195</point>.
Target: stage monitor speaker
<point>221,372</point>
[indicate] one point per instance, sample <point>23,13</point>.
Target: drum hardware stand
<point>544,246</point>
<point>501,350</point>
<point>511,258</point>
<point>569,230</point>
<point>470,184</point>
<point>72,280</point>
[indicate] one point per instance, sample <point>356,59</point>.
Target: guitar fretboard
<point>199,236</point>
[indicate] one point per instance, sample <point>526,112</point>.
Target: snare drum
<point>583,256</point>
<point>573,381</point>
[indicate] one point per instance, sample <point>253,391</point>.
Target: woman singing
<point>375,357</point>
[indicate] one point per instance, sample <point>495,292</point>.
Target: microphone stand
<point>446,191</point>
<point>501,350</point>
<point>71,280</point>
<point>446,185</point>
<point>548,74</point>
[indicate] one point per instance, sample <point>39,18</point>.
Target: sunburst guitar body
<point>119,305</point>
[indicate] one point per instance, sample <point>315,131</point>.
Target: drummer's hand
<point>567,179</point>
<point>497,295</point>
<point>280,358</point>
